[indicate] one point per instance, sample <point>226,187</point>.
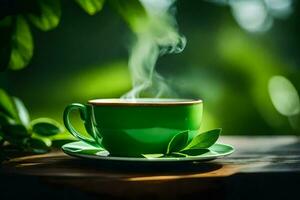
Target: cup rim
<point>126,102</point>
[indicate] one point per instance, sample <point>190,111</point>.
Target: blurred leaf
<point>204,140</point>
<point>98,76</point>
<point>62,136</point>
<point>7,105</point>
<point>22,44</point>
<point>22,111</point>
<point>15,131</point>
<point>132,11</point>
<point>91,6</point>
<point>247,55</point>
<point>6,29</point>
<point>46,127</point>
<point>48,16</point>
<point>4,120</point>
<point>178,142</point>
<point>46,140</point>
<point>38,145</point>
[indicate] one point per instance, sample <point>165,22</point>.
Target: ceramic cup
<point>131,128</point>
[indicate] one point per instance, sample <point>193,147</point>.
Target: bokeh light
<point>284,96</point>
<point>252,15</point>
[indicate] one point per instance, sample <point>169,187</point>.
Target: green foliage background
<point>85,57</point>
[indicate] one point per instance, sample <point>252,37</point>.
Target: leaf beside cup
<point>178,142</point>
<point>204,140</point>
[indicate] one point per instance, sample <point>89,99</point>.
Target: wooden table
<point>262,168</point>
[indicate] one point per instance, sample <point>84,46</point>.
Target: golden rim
<point>144,102</point>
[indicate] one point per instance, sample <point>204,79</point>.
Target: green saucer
<point>83,150</point>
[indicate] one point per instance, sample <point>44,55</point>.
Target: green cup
<point>131,128</point>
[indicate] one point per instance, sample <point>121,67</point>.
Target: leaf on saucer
<point>195,152</point>
<point>89,151</point>
<point>158,155</point>
<point>177,155</point>
<point>178,142</point>
<point>204,140</point>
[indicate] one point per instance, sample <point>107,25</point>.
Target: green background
<point>85,57</point>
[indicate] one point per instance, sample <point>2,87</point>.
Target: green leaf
<point>91,6</point>
<point>62,136</point>
<point>16,131</point>
<point>194,152</point>
<point>38,145</point>
<point>178,142</point>
<point>133,12</point>
<point>46,127</point>
<point>22,44</point>
<point>204,140</point>
<point>45,140</point>
<point>177,155</point>
<point>7,105</point>
<point>4,120</point>
<point>158,155</point>
<point>22,111</point>
<point>48,16</point>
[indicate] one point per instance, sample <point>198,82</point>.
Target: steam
<point>158,36</point>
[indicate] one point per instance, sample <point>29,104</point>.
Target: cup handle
<point>83,114</point>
